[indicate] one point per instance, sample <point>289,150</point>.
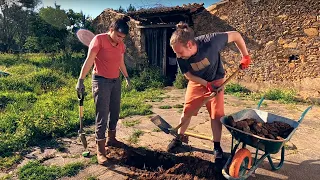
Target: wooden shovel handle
<point>213,94</point>
<point>199,136</point>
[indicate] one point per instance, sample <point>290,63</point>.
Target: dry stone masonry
<point>282,37</point>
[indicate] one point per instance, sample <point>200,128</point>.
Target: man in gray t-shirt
<point>200,62</point>
<point>206,63</point>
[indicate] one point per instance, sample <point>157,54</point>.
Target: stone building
<point>282,37</point>
<point>150,32</point>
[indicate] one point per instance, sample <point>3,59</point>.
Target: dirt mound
<point>147,164</point>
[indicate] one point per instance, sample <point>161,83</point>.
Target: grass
<point>92,178</point>
<point>93,160</point>
<point>128,123</point>
<point>35,170</point>
<point>6,177</point>
<point>133,102</point>
<point>281,95</point>
<point>236,89</point>
<point>134,138</point>
<point>178,106</point>
<point>38,99</point>
<point>156,130</point>
<point>165,107</point>
<point>8,162</point>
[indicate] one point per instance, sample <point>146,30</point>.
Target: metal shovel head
<point>162,124</point>
<point>83,140</point>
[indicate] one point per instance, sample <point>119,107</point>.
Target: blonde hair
<point>182,34</point>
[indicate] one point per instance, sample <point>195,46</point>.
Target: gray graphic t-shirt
<point>206,63</point>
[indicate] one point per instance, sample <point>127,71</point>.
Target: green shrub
<point>282,95</point>
<point>149,78</point>
<point>181,81</point>
<point>235,88</point>
<point>35,170</point>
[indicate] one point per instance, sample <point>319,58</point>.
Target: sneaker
<point>218,153</point>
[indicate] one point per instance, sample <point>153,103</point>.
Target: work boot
<point>101,152</point>
<point>177,142</point>
<point>112,141</point>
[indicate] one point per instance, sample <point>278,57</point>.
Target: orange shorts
<point>195,95</point>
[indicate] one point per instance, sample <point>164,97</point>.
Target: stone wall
<point>134,56</point>
<point>273,30</point>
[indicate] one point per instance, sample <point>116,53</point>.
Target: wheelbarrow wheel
<point>241,163</point>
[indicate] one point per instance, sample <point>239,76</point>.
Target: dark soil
<point>276,130</point>
<point>147,164</point>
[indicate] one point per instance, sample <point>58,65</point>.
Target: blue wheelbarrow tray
<point>269,146</point>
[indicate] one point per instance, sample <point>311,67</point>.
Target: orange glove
<point>245,61</point>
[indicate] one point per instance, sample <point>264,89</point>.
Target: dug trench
<point>147,164</point>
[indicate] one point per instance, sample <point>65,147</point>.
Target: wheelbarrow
<point>240,164</point>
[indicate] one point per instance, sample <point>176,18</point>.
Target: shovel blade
<point>83,140</point>
<point>162,124</point>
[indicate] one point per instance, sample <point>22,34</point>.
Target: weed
<point>128,123</point>
<point>135,136</point>
<point>165,107</point>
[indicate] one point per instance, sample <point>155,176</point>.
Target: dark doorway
<point>154,41</point>
<point>160,53</point>
<point>172,66</point>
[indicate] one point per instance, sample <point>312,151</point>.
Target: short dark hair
<point>121,25</point>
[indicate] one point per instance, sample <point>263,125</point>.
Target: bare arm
<point>87,64</point>
<point>123,67</point>
<point>234,36</point>
<point>196,79</point>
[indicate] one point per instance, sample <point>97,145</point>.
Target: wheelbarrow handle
<point>301,117</point>
<point>304,113</point>
<point>260,102</point>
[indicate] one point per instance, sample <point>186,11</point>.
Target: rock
<point>311,32</point>
<point>224,17</point>
<point>281,41</point>
<point>283,16</point>
<point>302,58</point>
<point>285,32</point>
<point>290,45</point>
<point>270,46</point>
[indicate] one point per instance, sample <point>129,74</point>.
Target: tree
<point>55,16</point>
<point>121,10</point>
<point>78,21</point>
<point>14,18</point>
<point>131,8</point>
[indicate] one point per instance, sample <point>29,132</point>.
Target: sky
<point>94,7</point>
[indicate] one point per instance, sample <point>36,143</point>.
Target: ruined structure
<point>282,37</point>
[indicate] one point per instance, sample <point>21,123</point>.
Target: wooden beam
<point>164,64</point>
<point>157,26</point>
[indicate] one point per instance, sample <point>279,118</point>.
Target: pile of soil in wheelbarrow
<point>148,164</point>
<point>275,130</point>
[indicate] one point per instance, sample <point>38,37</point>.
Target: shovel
<point>168,129</point>
<point>81,133</point>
